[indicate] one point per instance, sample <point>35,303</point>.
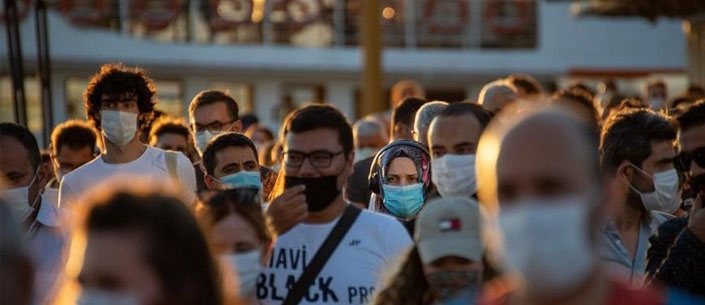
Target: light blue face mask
<point>403,201</point>
<point>242,179</point>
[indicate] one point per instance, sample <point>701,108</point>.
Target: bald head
<point>405,89</point>
<point>545,154</point>
<point>496,95</point>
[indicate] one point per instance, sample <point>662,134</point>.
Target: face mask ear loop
<point>645,173</point>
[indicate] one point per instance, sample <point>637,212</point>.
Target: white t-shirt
<point>373,243</point>
<point>151,165</point>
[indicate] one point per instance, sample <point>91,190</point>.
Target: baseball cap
<point>449,227</point>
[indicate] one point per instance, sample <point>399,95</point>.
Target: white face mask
<point>547,242</point>
<point>202,140</point>
<point>18,199</point>
<point>454,175</point>
<point>247,268</point>
<point>119,127</point>
<point>665,197</point>
<point>104,297</point>
<point>364,153</point>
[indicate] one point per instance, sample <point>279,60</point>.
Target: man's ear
<point>237,127</point>
<point>211,183</point>
<point>625,171</point>
<point>351,157</point>
<point>401,131</point>
<point>43,175</point>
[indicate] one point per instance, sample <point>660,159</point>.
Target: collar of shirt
<point>49,215</point>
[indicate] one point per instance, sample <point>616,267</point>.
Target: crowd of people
<point>521,197</point>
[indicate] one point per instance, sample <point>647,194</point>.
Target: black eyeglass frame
<point>327,154</point>
<point>213,128</point>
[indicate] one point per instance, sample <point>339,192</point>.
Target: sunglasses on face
<point>684,160</point>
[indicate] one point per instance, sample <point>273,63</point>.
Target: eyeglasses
<point>318,159</point>
<point>214,127</point>
<point>683,160</point>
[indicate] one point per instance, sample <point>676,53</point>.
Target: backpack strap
<point>300,288</point>
<point>170,157</point>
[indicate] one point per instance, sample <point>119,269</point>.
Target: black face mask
<point>320,192</point>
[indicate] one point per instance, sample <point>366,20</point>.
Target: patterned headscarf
<point>404,148</point>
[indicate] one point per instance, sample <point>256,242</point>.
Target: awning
<point>649,9</point>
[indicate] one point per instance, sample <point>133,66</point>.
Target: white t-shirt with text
<point>150,166</point>
<point>373,244</point>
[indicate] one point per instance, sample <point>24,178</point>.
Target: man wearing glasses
<point>213,113</point>
<point>682,241</point>
<point>307,204</point>
<point>119,103</point>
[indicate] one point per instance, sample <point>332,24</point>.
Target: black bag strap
<point>300,288</point>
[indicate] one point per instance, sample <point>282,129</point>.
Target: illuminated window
<point>34,107</point>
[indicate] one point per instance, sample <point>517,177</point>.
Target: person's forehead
<point>234,154</point>
<point>209,113</point>
<point>312,140</point>
<point>455,128</point>
<point>401,165</point>
<point>170,137</point>
<point>691,139</point>
<point>118,97</point>
<point>68,152</point>
<point>223,230</point>
<point>535,154</point>
<point>14,155</point>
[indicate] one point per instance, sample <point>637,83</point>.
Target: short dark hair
<point>117,80</point>
<point>693,116</point>
<point>580,97</point>
<point>313,117</point>
<point>526,82</point>
<point>627,135</point>
<point>175,248</point>
<point>462,108</point>
<point>405,112</point>
<point>26,138</point>
<point>73,134</point>
<point>230,139</point>
<point>164,125</point>
<point>209,97</point>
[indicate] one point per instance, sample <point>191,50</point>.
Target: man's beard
<point>634,201</point>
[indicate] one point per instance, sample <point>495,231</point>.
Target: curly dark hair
<point>117,80</point>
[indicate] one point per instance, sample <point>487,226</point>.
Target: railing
<point>475,24</point>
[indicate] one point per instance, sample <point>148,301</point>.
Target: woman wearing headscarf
<point>400,180</point>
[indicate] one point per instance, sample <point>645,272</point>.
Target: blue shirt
<point>614,253</point>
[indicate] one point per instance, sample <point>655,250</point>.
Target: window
<point>32,98</point>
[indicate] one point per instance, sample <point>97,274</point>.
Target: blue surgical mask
<point>403,201</point>
<point>242,179</point>
<point>454,287</point>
